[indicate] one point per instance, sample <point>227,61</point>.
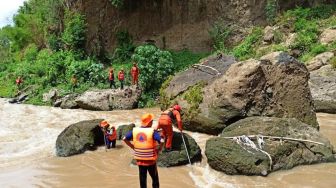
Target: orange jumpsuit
<point>135,75</point>
<point>165,123</point>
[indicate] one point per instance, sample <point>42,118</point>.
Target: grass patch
<point>246,49</point>
<point>183,59</point>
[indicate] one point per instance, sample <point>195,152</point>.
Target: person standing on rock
<point>110,134</point>
<point>145,149</point>
<point>135,74</point>
<point>121,78</point>
<point>111,79</point>
<point>166,124</point>
<point>19,82</point>
<point>74,82</point>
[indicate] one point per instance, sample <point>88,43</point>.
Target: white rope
<point>195,65</point>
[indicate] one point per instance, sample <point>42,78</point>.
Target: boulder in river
<point>228,156</point>
<point>79,137</point>
<point>178,155</point>
<point>323,88</point>
<point>276,86</point>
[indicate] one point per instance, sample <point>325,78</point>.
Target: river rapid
<point>27,155</point>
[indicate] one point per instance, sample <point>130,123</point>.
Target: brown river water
<point>27,156</point>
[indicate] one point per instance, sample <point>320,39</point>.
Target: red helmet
<point>177,107</point>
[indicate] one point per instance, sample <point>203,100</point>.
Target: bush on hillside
<point>155,66</point>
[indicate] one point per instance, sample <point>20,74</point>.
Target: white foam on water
<point>205,177</point>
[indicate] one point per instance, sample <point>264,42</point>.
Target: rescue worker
<point>145,149</point>
<point>111,78</point>
<point>110,134</point>
<point>74,82</point>
<point>121,78</point>
<point>166,124</point>
<point>18,82</point>
<point>135,74</point>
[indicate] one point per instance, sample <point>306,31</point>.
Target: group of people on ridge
<point>147,142</point>
<point>121,76</point>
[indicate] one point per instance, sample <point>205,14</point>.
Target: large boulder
<point>319,61</point>
<point>328,36</point>
<point>276,86</point>
<point>323,88</point>
<point>178,155</point>
<point>109,99</point>
<point>51,96</point>
<point>67,102</point>
<point>226,155</point>
<point>79,137</point>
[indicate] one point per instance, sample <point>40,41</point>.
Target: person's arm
<point>178,119</point>
<point>160,140</point>
<point>127,139</point>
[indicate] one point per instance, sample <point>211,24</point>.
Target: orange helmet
<point>104,124</point>
<point>146,119</point>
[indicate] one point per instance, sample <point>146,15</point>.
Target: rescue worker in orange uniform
<point>110,134</point>
<point>121,78</point>
<point>111,79</point>
<point>166,124</point>
<point>145,140</point>
<point>135,74</point>
<point>19,81</point>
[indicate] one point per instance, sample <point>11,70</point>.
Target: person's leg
<point>115,87</point>
<point>122,84</point>
<point>114,143</point>
<point>111,83</point>
<point>153,172</point>
<point>136,79</point>
<point>143,176</point>
<point>169,142</point>
<point>133,79</point>
<point>108,142</point>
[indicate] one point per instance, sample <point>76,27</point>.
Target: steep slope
<point>172,24</point>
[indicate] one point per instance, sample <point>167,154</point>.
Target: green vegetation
<point>117,3</point>
<point>185,58</point>
<point>194,97</point>
<point>219,34</point>
<point>271,10</point>
<point>155,65</point>
<point>46,45</point>
<point>247,49</point>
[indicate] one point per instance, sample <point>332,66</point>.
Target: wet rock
<point>323,88</point>
<point>231,158</point>
<point>123,129</point>
<point>178,155</point>
<point>79,137</point>
<point>275,86</point>
<point>68,101</point>
<point>319,61</point>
